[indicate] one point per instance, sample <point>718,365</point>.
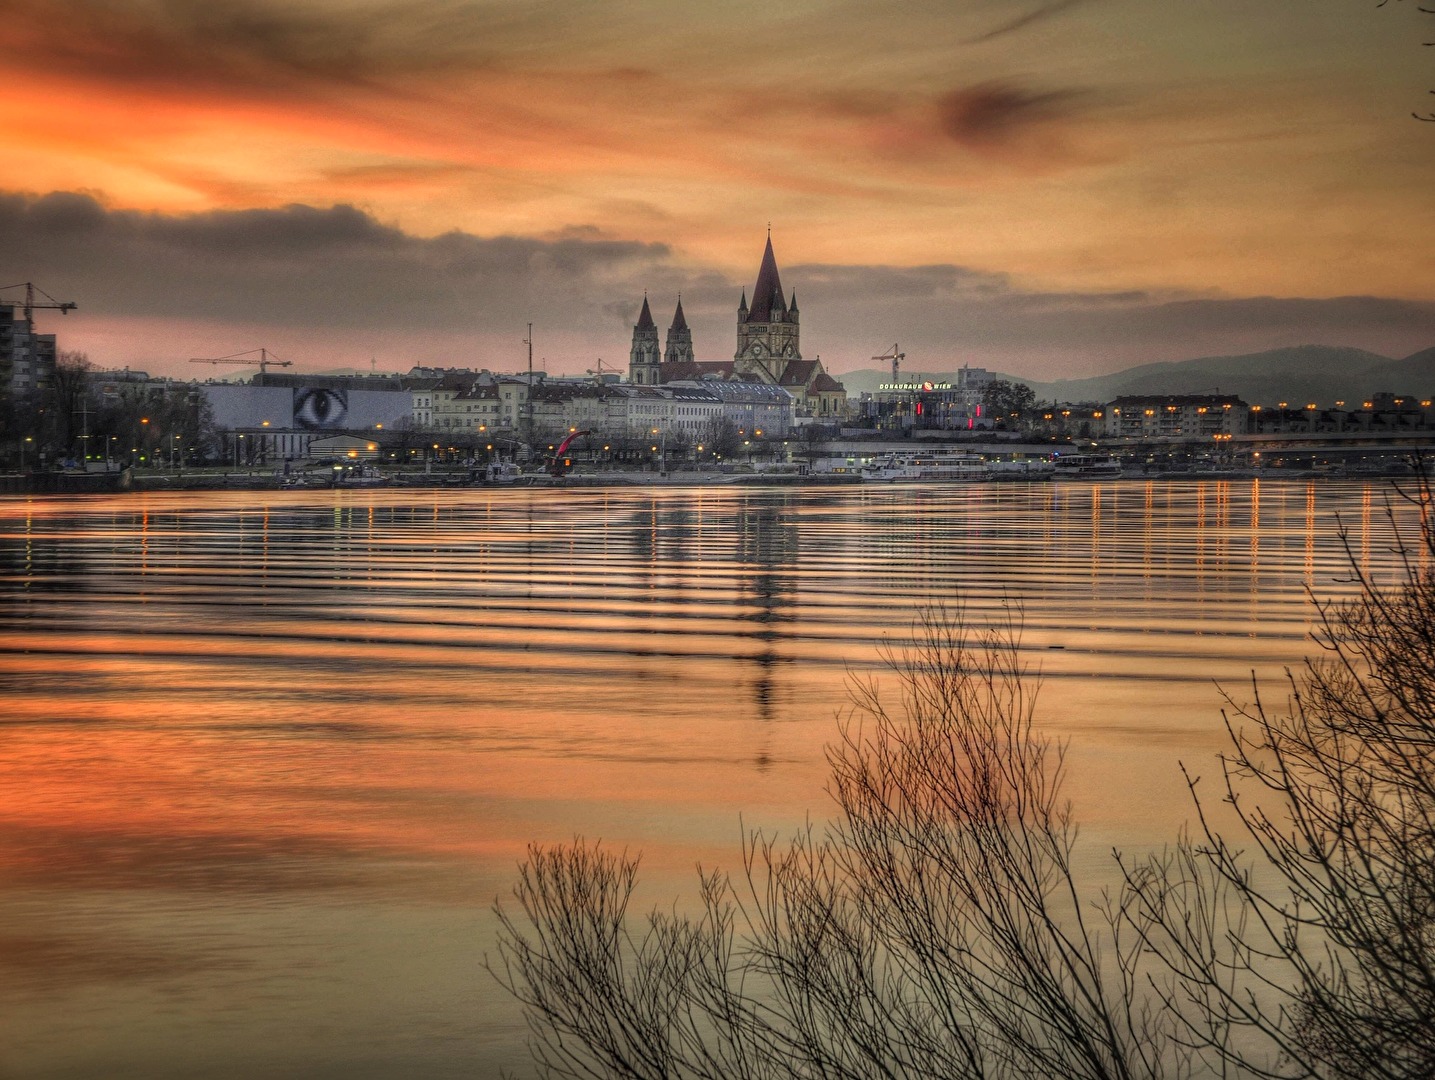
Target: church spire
<point>680,339</point>
<point>767,293</point>
<point>767,333</point>
<point>644,357</point>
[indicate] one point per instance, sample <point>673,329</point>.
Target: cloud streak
<point>1022,22</point>
<point>992,114</point>
<point>250,46</point>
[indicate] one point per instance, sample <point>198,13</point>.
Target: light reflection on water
<point>267,758</point>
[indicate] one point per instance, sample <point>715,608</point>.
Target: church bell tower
<point>643,360</point>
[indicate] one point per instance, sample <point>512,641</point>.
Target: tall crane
<point>896,356</point>
<point>598,371</point>
<point>62,306</point>
<point>267,360</point>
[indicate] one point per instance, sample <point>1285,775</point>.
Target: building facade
<point>27,359</point>
<point>1176,415</point>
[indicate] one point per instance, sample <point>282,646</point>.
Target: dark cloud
<point>303,265</point>
<point>261,47</point>
<point>944,316</point>
<point>334,282</point>
<point>990,114</point>
<point>1021,22</point>
<point>880,283</point>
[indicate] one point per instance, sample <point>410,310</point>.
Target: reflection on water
<point>266,759</point>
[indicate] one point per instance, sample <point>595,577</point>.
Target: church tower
<point>643,360</point>
<point>767,332</point>
<point>680,339</point>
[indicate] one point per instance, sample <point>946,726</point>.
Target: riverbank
<point>73,482</point>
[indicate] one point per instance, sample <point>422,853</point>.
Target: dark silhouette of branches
<point>1313,953</point>
<point>1430,116</point>
<point>935,928</point>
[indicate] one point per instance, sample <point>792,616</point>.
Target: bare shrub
<point>1312,953</point>
<point>934,928</point>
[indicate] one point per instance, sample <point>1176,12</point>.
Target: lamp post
<point>238,442</point>
<point>26,439</point>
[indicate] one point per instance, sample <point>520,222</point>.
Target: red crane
<point>560,464</point>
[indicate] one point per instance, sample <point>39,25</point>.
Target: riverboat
<point>1022,469</point>
<point>500,473</point>
<point>1091,466</point>
<point>927,468</point>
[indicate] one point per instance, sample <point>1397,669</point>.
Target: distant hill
<point>1319,373</point>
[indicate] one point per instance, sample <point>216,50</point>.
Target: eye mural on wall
<point>316,408</point>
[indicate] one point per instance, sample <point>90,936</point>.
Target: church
<point>768,349</point>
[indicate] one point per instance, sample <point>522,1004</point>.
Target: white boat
<point>1092,466</point>
<point>501,473</point>
<point>927,468</point>
<point>1022,469</point>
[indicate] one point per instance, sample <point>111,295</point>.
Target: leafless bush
<point>1313,953</point>
<point>935,928</point>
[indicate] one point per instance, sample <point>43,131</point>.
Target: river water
<point>267,759</point>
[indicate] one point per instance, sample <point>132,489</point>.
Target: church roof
<point>645,320</point>
<point>828,383</point>
<point>679,323</point>
<point>768,290</point>
<point>696,369</point>
<point>798,372</point>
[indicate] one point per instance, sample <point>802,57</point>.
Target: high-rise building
<point>27,359</point>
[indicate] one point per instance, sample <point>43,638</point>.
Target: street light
<point>27,439</point>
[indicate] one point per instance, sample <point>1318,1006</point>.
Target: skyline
<point>1053,189</point>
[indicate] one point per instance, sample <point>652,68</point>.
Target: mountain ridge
<point>1307,373</point>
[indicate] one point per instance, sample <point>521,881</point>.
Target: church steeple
<point>645,318</point>
<point>643,359</point>
<point>767,302</point>
<point>767,332</point>
<point>680,339</point>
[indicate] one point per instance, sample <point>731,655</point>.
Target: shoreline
<point>77,483</point>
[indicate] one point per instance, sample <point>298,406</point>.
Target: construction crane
<point>896,357</point>
<point>62,306</point>
<point>598,371</point>
<point>267,360</point>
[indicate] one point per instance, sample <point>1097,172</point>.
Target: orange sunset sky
<point>1046,187</point>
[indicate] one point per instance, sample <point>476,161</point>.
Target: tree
<point>61,406</point>
<point>719,437</point>
<point>1315,954</point>
<point>934,929</point>
<point>1004,399</point>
